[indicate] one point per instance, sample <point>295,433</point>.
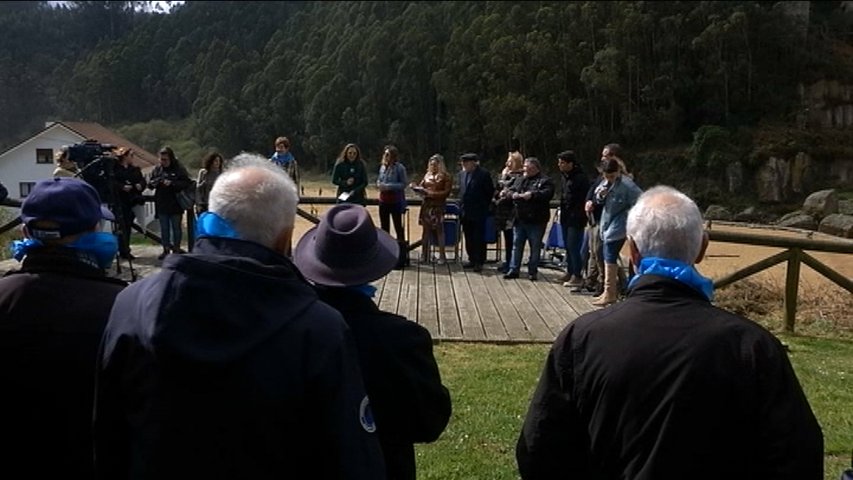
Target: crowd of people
<point>250,358</point>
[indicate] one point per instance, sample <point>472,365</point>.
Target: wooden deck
<point>461,305</point>
<point>452,303</point>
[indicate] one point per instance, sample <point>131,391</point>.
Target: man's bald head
<point>257,198</point>
<point>666,223</point>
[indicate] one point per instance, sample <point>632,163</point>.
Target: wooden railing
<point>795,254</point>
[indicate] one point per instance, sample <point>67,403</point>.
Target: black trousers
<point>395,213</point>
<point>474,231</point>
<point>125,227</point>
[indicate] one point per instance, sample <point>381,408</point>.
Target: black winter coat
<point>666,386</point>
<point>537,210</point>
<point>52,314</point>
<point>476,195</point>
<point>225,365</point>
<point>165,196</point>
<point>401,376</point>
<point>575,187</point>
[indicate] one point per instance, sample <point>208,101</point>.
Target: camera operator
<point>167,179</point>
<point>128,184</point>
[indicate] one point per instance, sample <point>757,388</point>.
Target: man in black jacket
<point>531,195</point>
<point>476,190</point>
<point>342,255</point>
<point>664,384</point>
<point>225,364</point>
<point>52,314</point>
<point>572,216</point>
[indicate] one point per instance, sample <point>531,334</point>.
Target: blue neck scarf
<point>675,270</point>
<point>210,224</point>
<point>366,289</point>
<point>96,248</point>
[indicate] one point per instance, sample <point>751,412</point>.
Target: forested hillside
<point>427,76</point>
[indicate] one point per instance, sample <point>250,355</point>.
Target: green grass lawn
<point>492,384</point>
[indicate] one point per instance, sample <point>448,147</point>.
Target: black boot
<point>163,255</point>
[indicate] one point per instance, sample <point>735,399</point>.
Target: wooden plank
<point>505,304</point>
<point>390,296</point>
<point>553,312</point>
<point>490,317</point>
<point>408,306</point>
<point>571,305</point>
<point>469,316</point>
<point>520,290</point>
<point>512,324</point>
<point>427,304</point>
<point>448,315</point>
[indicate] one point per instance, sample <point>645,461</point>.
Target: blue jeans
<point>531,233</point>
<point>572,239</point>
<point>170,229</point>
<point>611,251</point>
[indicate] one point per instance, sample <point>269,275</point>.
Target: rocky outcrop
<point>798,220</point>
<point>838,225</point>
<point>718,212</point>
<point>820,204</point>
<point>771,180</point>
<point>734,177</point>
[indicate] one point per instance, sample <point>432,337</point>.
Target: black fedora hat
<point>345,249</point>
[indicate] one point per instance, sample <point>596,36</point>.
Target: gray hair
<point>666,223</point>
<point>257,197</point>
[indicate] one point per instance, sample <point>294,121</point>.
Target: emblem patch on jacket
<point>365,416</point>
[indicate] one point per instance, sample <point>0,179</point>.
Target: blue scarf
<point>210,224</point>
<point>366,289</point>
<point>95,248</point>
<point>282,159</point>
<point>675,270</point>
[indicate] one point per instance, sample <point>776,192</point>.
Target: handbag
<point>186,197</point>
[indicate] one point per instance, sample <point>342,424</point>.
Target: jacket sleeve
<point>790,442</point>
<point>413,405</point>
<point>360,177</point>
<point>553,443</point>
<point>544,191</point>
<point>345,416</point>
<point>337,177</point>
<point>111,432</point>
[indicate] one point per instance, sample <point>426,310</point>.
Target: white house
<point>24,164</point>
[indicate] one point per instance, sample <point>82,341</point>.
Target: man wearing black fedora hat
<point>476,190</point>
<point>342,255</point>
<point>225,364</point>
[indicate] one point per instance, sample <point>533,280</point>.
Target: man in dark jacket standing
<point>52,314</point>
<point>664,384</point>
<point>572,216</point>
<point>225,364</point>
<point>531,194</point>
<point>342,255</point>
<point>476,190</point>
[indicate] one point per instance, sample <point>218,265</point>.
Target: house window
<point>26,188</point>
<point>44,155</point>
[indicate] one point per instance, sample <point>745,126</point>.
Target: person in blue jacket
<point>225,364</point>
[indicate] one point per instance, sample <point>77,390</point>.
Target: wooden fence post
<point>792,283</point>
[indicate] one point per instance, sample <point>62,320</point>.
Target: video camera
<point>96,162</point>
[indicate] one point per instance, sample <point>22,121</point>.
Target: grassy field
<point>491,386</point>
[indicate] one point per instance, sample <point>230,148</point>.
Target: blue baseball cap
<point>62,206</point>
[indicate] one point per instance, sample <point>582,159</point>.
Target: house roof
<point>95,131</point>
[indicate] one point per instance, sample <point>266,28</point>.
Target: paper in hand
<point>344,196</point>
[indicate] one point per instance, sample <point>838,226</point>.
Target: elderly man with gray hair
<point>225,364</point>
<point>664,384</point>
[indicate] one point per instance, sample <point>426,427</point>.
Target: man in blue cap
<point>52,314</point>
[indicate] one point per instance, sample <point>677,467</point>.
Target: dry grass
<point>822,310</point>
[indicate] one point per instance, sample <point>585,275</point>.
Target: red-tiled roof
<point>95,131</point>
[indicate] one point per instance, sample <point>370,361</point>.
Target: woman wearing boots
<point>617,193</point>
<point>167,179</point>
<point>434,187</point>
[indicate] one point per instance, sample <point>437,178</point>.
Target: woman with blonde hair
<point>504,211</point>
<point>435,188</point>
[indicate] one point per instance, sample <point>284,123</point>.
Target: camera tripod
<point>113,203</point>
